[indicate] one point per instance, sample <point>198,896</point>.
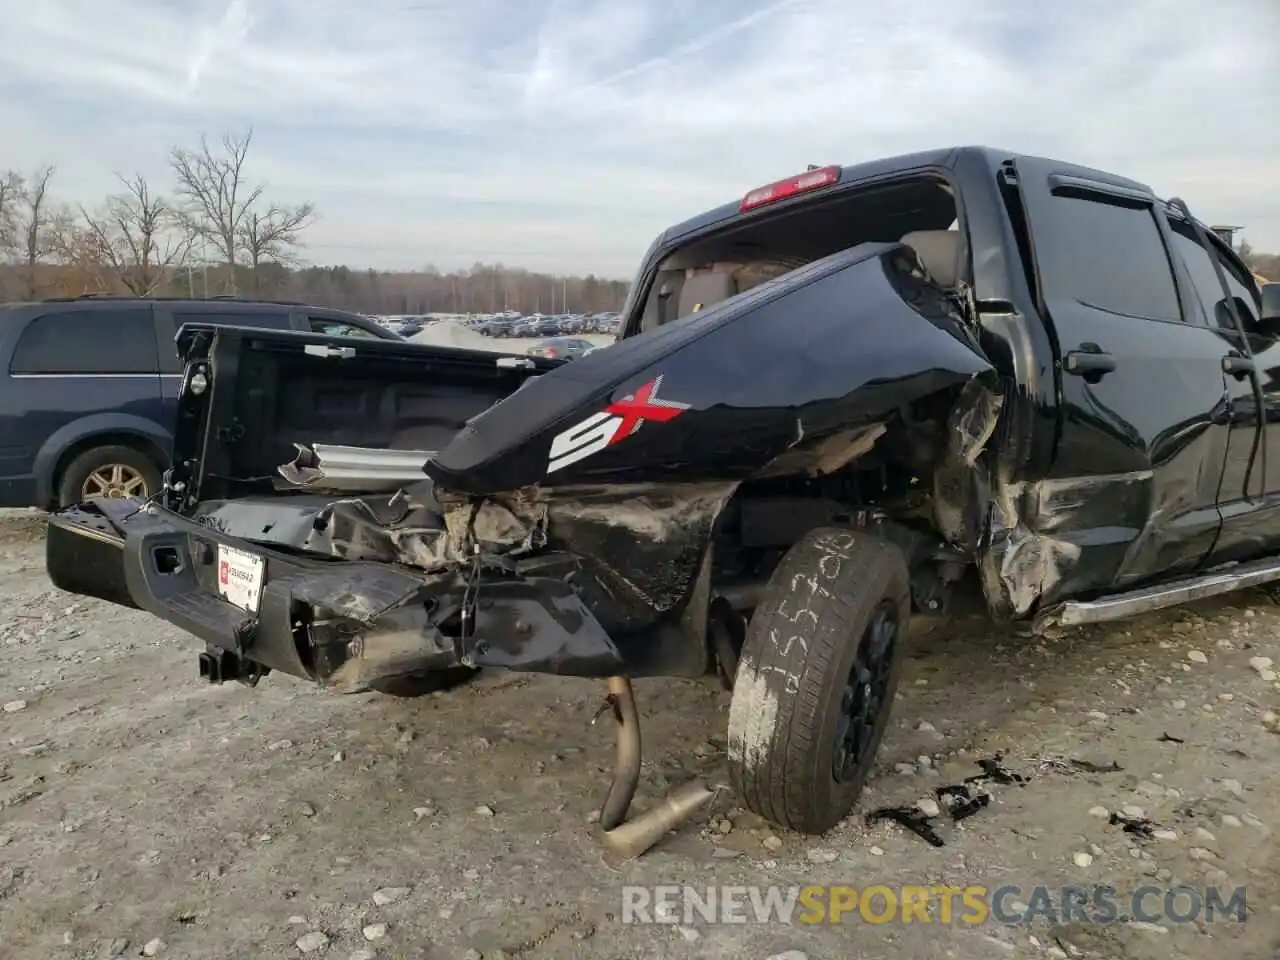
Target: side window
<point>336,328</point>
<point>88,342</point>
<point>1242,287</point>
<point>274,319</point>
<point>1204,279</point>
<point>1208,291</point>
<point>1109,254</point>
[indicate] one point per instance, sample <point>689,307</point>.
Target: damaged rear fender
<point>719,395</point>
<point>640,549</point>
<point>637,549</point>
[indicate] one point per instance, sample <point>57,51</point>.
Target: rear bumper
<point>345,624</point>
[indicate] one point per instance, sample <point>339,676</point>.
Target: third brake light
<point>782,189</point>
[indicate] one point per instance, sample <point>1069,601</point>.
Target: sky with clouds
<point>564,134</point>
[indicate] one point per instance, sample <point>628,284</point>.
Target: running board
<point>1119,606</point>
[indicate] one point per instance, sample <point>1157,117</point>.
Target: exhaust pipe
<point>329,466</point>
<point>625,840</point>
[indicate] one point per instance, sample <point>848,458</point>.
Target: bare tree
<point>274,236</point>
<point>215,201</point>
<point>139,236</point>
<point>74,249</point>
<point>35,225</point>
<point>11,192</point>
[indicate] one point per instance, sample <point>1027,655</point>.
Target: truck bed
<point>273,392</point>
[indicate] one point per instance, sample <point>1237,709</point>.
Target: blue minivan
<point>89,388</point>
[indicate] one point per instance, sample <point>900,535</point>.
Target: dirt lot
<point>141,810</point>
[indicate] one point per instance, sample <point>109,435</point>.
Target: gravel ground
<point>145,813</point>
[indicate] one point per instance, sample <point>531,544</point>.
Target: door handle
<point>1238,366</point>
<point>1089,361</point>
<point>329,351</point>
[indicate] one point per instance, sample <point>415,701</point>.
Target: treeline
<point>1263,264</point>
<point>484,288</point>
<point>213,231</point>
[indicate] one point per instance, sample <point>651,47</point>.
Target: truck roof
<point>939,157</point>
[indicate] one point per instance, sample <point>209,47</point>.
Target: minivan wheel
<point>816,679</point>
<point>113,472</point>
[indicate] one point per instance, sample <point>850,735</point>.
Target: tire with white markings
<point>816,679</point>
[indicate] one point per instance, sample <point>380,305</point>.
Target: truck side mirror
<point>1269,317</point>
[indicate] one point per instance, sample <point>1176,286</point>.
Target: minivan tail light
<point>782,189</point>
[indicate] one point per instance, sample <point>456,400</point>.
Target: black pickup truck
<point>835,403</point>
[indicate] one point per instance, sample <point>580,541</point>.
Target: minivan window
<point>1109,254</point>
<point>275,319</point>
<point>336,328</point>
<point>271,319</point>
<point>87,342</point>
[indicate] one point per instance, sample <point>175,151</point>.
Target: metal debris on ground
<point>961,800</point>
<point>993,770</point>
<point>1137,826</point>
<point>910,818</point>
<point>1073,765</point>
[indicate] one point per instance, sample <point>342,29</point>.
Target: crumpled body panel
<point>720,394</point>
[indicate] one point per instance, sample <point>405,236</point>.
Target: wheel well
<point>136,441</point>
<point>908,486</point>
<point>918,472</point>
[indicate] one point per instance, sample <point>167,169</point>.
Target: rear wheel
<point>113,472</point>
<point>816,679</point>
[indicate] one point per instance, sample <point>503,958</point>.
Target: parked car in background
<point>546,327</point>
<point>561,348</point>
<point>89,388</point>
<point>497,327</point>
<point>512,324</point>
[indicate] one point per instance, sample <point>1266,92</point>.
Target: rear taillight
<point>780,190</point>
<point>550,352</point>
